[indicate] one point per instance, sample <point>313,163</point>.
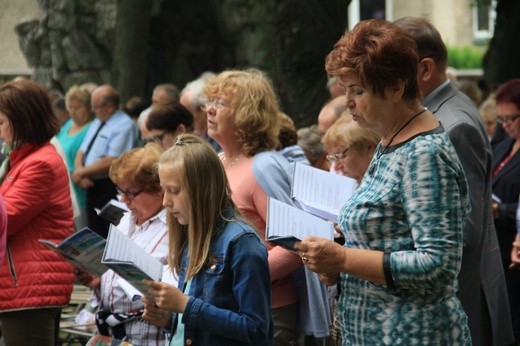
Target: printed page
<point>287,224</point>
<point>320,192</point>
<point>130,261</point>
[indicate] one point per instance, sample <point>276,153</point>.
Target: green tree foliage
<point>464,57</point>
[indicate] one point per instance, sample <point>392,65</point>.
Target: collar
<point>435,91</point>
<point>161,215</point>
<point>20,153</point>
<point>222,219</point>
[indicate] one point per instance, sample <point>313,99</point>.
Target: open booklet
<point>320,192</point>
<point>83,249</point>
<point>90,252</point>
<point>287,225</point>
<point>130,261</point>
<point>113,211</point>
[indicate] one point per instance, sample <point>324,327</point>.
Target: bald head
<point>330,113</point>
<point>105,101</point>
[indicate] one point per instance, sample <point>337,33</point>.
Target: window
<point>484,20</point>
<point>367,9</point>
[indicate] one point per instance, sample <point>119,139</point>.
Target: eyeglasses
<point>337,156</point>
<point>501,119</point>
<point>157,139</point>
<point>96,107</point>
<point>218,104</point>
<point>128,194</point>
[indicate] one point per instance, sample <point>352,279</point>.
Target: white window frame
<point>485,34</point>
<point>354,12</point>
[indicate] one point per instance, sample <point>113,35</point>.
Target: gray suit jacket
<point>482,287</point>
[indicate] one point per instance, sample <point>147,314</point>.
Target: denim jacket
<point>230,297</point>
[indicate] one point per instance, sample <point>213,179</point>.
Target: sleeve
<point>3,228</point>
<point>434,196</point>
<point>28,194</point>
<point>471,148</point>
<point>123,139</point>
<point>251,290</point>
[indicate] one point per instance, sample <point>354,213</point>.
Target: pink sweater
<point>251,200</point>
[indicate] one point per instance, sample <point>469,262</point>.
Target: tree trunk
<point>305,33</point>
<point>131,42</point>
<point>501,59</point>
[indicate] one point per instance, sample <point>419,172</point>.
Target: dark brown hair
<point>169,117</point>
<point>28,108</point>
<point>428,39</point>
<point>509,92</point>
<point>380,54</point>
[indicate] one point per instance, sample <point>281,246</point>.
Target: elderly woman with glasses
<point>135,176</point>
<point>506,188</point>
<point>350,147</point>
<point>165,123</point>
<point>243,117</point>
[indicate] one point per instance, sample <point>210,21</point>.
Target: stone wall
<point>70,42</point>
<point>12,62</point>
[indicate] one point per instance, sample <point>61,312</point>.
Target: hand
<point>321,255</point>
<point>76,176</point>
<point>154,315</point>
<point>85,183</point>
<point>87,279</point>
<point>515,254</point>
<point>167,297</point>
<point>494,207</point>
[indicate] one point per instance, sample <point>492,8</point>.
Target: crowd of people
<point>425,252</point>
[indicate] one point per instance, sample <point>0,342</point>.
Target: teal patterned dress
<point>411,204</point>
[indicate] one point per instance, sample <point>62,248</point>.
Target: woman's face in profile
<point>221,119</point>
<point>142,204</point>
<point>366,108</point>
<point>355,161</point>
<point>175,199</point>
<point>509,114</point>
<point>6,131</point>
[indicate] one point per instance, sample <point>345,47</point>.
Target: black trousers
<point>97,196</point>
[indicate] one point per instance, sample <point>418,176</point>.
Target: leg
<point>285,321</point>
<point>29,327</point>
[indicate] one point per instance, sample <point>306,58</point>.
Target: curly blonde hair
<point>254,104</point>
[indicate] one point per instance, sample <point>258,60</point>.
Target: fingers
<point>148,282</point>
<point>299,246</point>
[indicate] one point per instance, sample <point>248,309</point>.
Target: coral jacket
<point>37,197</point>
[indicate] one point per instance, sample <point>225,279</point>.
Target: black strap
<point>92,142</point>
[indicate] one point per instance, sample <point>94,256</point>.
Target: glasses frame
<point>217,104</point>
<point>508,120</point>
<point>100,106</point>
<point>337,156</point>
<point>157,139</point>
<point>128,194</point>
